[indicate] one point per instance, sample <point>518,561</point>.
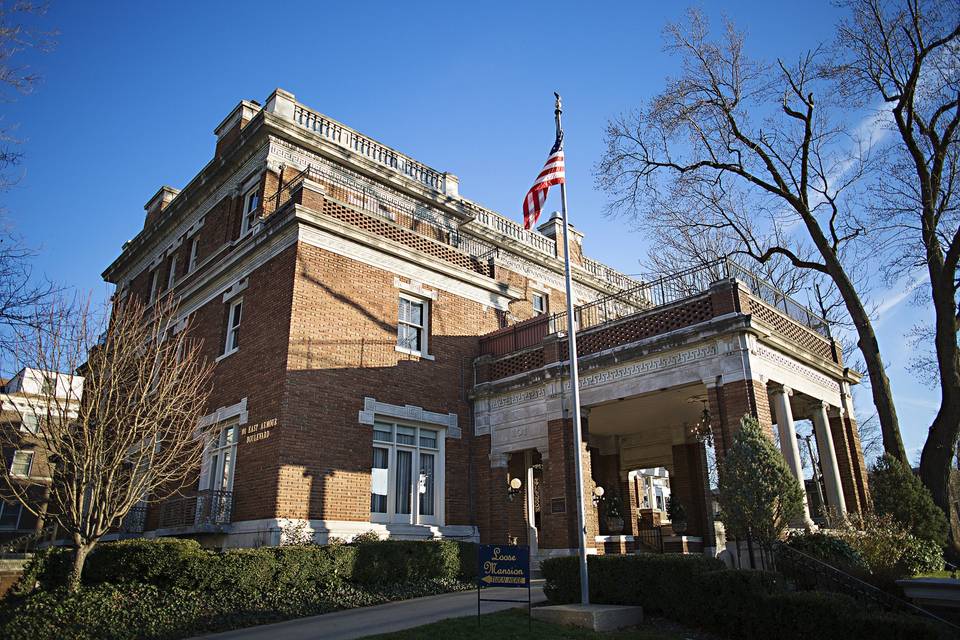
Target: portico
<point>666,387</point>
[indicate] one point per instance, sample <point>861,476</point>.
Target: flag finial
<point>559,108</point>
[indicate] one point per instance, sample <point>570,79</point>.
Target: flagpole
<point>574,381</point>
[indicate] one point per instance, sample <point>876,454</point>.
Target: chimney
<point>158,203</point>
<point>553,229</point>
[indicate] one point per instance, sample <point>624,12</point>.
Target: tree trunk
<point>938,450</point>
<point>870,348</point>
<point>76,571</point>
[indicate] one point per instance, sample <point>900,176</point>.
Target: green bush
<point>659,582</point>
<point>733,595</point>
<point>738,604</point>
<point>897,492</point>
<point>47,570</point>
<point>890,551</point>
<point>412,560</point>
<point>831,549</point>
<point>163,562</point>
<point>758,494</point>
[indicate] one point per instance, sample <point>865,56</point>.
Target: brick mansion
<point>392,356</point>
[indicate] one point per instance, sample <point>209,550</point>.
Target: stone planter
<point>614,525</point>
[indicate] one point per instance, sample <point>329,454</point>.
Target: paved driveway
<point>384,618</point>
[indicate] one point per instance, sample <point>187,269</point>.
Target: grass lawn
<point>506,625</point>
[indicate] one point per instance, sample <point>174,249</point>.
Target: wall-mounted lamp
<point>514,488</point>
<point>597,495</point>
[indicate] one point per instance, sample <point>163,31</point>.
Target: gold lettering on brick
<point>257,432</point>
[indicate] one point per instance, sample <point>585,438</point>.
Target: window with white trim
<point>22,463</point>
<point>539,303</point>
<point>220,459</point>
<point>413,324</point>
<point>233,326</point>
<point>194,247</point>
<point>154,281</point>
<point>29,421</point>
<point>10,513</point>
<point>406,478</point>
<point>251,204</point>
<point>171,271</point>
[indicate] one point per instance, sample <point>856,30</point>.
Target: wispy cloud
<point>894,298</point>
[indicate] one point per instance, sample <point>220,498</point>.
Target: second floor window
<point>22,463</point>
<point>194,246</point>
<point>539,303</point>
<point>412,325</point>
<point>172,271</point>
<point>233,326</point>
<point>154,281</point>
<point>251,204</point>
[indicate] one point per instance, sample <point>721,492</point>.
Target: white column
<point>531,504</point>
<point>828,459</point>
<point>788,442</point>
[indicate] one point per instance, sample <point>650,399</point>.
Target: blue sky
<point>133,91</point>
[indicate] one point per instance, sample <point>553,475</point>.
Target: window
<point>154,279</point>
<point>171,271</point>
<point>192,263</point>
<point>412,325</point>
<point>539,303</point>
<point>29,422</point>
<point>233,326</point>
<point>406,478</point>
<point>10,515</point>
<point>221,459</point>
<point>251,203</point>
<point>22,463</point>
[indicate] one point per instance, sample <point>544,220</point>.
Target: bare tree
<point>123,433</point>
<point>750,150</point>
<point>906,53</point>
<point>20,293</point>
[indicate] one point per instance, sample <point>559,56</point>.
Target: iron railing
<point>651,537</point>
<point>201,509</point>
<point>27,543</point>
<point>136,520</point>
<point>810,573</point>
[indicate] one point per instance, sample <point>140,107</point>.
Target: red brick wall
<point>342,348</point>
<point>560,529</point>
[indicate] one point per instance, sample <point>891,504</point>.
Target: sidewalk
<point>384,618</point>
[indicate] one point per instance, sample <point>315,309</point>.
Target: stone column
<point>530,503</point>
<point>788,442</point>
<point>828,459</point>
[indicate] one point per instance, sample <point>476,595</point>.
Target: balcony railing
<point>206,508</point>
<point>348,138</point>
<point>657,293</point>
<point>136,520</point>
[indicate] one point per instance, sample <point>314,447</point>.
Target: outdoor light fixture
<point>597,495</point>
<point>514,488</point>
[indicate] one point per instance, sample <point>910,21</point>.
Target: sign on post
<point>502,565</point>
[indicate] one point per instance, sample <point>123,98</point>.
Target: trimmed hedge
<point>737,603</point>
<point>184,564</point>
<point>172,588</point>
<point>660,582</point>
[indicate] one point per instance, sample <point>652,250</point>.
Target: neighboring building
<point>24,407</point>
<point>388,356</point>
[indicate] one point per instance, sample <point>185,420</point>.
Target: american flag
<point>551,174</point>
